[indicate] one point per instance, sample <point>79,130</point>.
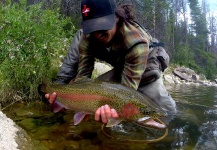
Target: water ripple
<point>181,138</point>
<point>208,138</point>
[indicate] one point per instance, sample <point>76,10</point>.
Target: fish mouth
<point>150,122</point>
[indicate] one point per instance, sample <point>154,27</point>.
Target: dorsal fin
<point>82,80</point>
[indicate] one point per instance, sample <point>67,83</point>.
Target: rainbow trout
<point>87,96</point>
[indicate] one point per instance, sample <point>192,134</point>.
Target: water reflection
<point>181,137</point>
<point>208,138</point>
<point>197,107</point>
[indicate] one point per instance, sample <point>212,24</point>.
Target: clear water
<point>193,128</point>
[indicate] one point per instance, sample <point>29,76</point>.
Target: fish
<point>85,97</point>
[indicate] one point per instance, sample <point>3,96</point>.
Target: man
<point>110,34</point>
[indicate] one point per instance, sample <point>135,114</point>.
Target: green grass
<point>31,43</point>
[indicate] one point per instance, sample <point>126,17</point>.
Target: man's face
<point>105,36</point>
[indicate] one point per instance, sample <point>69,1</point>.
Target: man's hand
<point>104,113</point>
<point>51,98</point>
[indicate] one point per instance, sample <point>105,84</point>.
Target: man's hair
<point>125,12</point>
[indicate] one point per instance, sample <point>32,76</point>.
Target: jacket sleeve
<point>87,59</point>
<point>69,68</point>
<point>135,65</point>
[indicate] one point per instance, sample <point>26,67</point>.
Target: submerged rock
<point>7,133</point>
<point>12,137</point>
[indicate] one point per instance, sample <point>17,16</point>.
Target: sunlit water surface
<point>193,127</point>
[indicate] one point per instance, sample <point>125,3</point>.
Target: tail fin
<point>42,89</point>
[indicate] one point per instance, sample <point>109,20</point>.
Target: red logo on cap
<point>85,10</point>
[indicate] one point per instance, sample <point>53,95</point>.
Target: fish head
<point>131,111</point>
<point>152,112</point>
<point>136,110</point>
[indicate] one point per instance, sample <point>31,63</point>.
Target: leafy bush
<point>202,62</point>
<point>30,45</point>
<point>183,56</point>
<point>209,64</point>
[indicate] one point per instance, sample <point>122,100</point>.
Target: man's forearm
<point>69,68</point>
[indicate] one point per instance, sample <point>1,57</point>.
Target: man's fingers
<point>52,98</point>
<point>107,110</point>
<point>47,96</point>
<point>103,115</point>
<point>114,114</point>
<point>97,114</point>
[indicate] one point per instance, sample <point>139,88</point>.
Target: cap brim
<point>100,23</point>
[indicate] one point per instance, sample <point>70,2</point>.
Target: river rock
<point>169,79</point>
<point>7,133</point>
<point>182,75</point>
<point>188,76</point>
<point>27,124</point>
<point>195,77</point>
<point>100,68</point>
<point>12,137</point>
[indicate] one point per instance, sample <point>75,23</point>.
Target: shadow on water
<point>193,127</point>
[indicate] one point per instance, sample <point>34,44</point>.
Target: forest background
<point>36,34</point>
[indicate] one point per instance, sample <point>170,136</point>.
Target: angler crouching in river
<point>111,34</point>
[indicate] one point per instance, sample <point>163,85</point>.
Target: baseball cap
<point>97,15</point>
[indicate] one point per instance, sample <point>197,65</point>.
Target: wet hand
<point>51,97</point>
<point>104,113</point>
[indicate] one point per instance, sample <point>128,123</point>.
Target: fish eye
<point>147,113</point>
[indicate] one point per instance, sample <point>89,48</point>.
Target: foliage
<point>209,64</point>
<point>184,56</point>
<point>30,45</point>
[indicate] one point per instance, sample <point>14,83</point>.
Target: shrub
<point>30,45</point>
<point>183,56</point>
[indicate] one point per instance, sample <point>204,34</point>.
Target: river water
<point>194,127</point>
<point>196,122</point>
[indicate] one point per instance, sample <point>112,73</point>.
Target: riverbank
<point>182,75</point>
<point>12,136</point>
<point>8,134</point>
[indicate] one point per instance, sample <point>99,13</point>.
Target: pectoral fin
<point>78,117</point>
<point>57,106</point>
<point>113,122</point>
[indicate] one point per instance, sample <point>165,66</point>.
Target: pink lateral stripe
<point>82,97</point>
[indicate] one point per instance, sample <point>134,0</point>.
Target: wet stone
<point>27,114</point>
<point>27,124</point>
<point>72,145</point>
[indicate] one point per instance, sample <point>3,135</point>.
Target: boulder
<point>195,77</point>
<point>168,79</point>
<point>182,75</point>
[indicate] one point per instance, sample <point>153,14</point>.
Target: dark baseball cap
<point>97,15</point>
